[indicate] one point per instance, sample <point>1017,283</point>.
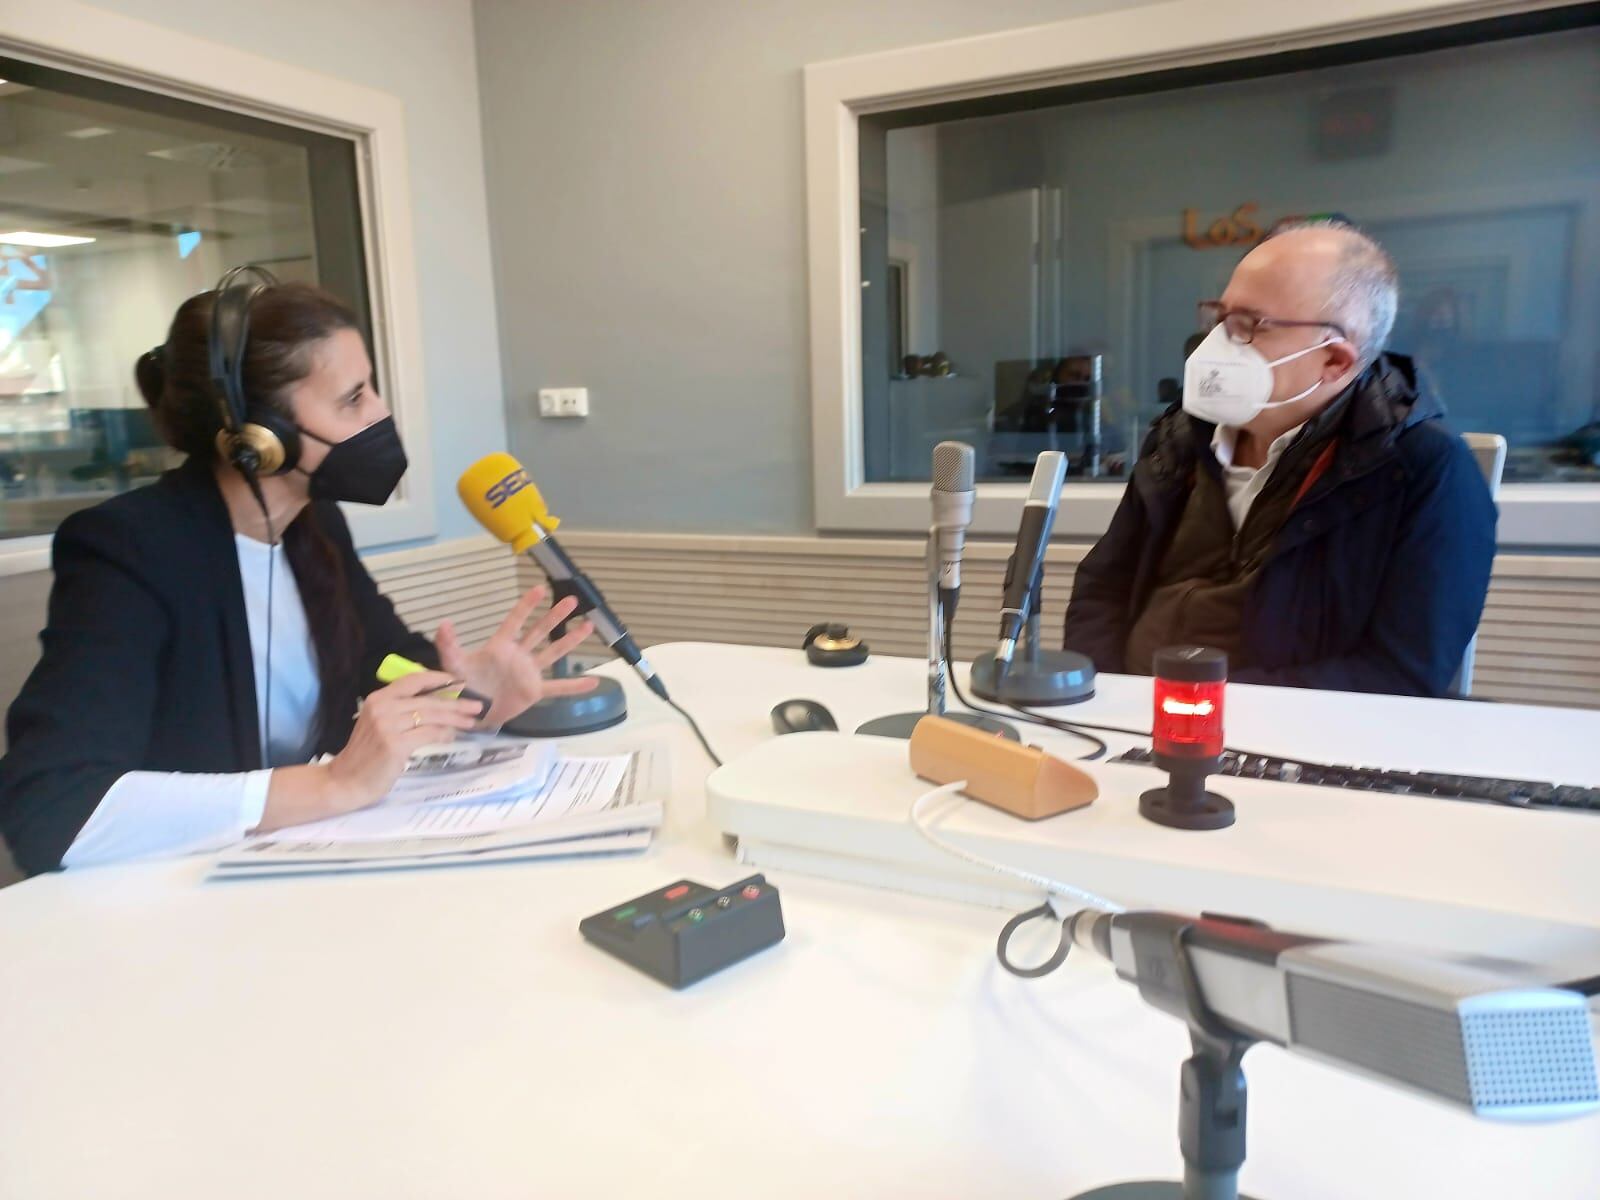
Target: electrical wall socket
<point>564,402</point>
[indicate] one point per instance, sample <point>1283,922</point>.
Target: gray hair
<point>1365,290</point>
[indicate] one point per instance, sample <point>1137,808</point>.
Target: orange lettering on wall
<point>1235,229</point>
<point>1245,230</point>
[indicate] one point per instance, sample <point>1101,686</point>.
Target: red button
<point>751,892</point>
<point>675,893</point>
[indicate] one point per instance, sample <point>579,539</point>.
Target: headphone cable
<point>272,561</point>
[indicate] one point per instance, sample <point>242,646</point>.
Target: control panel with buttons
<point>686,930</point>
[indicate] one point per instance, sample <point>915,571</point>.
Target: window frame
<point>69,36</point>
<point>1077,51</point>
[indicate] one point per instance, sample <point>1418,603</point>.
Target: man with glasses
<point>1304,508</point>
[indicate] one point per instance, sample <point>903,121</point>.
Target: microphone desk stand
<point>570,716</point>
<point>1036,676</point>
<point>1211,1093</point>
<point>900,725</point>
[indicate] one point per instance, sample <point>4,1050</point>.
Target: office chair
<point>1490,451</point>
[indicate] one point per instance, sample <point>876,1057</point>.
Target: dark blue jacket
<point>1377,579</point>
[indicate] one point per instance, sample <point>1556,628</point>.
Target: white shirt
<point>295,684</point>
<point>147,814</point>
<point>1244,484</point>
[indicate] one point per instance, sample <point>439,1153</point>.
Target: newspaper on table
<point>488,805</point>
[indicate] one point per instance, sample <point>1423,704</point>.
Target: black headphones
<point>254,439</point>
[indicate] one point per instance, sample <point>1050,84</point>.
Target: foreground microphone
<point>1033,537</point>
<point>497,491</point>
<point>1482,1034</point>
<point>953,474</point>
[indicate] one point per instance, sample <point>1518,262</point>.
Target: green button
<point>696,915</point>
<point>622,914</point>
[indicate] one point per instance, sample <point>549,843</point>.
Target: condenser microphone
<point>953,476</point>
<point>1486,1035</point>
<point>497,491</point>
<point>1033,539</point>
<point>952,495</point>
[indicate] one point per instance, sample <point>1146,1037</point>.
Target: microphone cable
<point>1052,887</point>
<point>694,725</point>
<point>1061,899</point>
<point>1078,729</point>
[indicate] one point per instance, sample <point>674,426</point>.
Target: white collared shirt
<point>296,684</point>
<point>1244,484</point>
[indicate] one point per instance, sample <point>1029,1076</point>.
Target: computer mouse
<point>802,716</point>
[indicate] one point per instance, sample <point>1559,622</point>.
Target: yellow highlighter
<point>396,667</point>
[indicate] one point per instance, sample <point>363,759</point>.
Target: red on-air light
<point>1188,701</point>
<point>1186,733</point>
<point>1188,718</point>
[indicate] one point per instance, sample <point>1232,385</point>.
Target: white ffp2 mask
<point>1228,384</point>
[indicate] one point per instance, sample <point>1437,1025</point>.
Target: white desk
<point>449,1034</point>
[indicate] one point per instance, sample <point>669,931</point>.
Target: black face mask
<point>364,469</point>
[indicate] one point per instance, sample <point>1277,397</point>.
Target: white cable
<point>1053,888</point>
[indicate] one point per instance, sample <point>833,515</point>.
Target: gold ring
<point>416,720</point>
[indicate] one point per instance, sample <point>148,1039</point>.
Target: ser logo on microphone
<point>508,487</point>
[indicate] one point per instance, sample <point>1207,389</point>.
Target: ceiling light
<point>89,131</point>
<point>213,156</point>
<point>42,241</point>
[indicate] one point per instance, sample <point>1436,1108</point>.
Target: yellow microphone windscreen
<point>498,492</point>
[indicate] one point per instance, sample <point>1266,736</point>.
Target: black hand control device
<point>686,930</point>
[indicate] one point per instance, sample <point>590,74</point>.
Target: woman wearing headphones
<point>156,722</point>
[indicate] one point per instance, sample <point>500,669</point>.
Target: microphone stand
<point>569,716</point>
<point>900,725</point>
<point>1211,1093</point>
<point>1037,676</point>
<point>937,666</point>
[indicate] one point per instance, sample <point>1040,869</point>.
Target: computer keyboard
<point>1516,793</point>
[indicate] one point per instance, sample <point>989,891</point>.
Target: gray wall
<point>647,203</point>
<point>422,52</point>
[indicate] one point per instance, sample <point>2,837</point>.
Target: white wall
<point>421,51</point>
<point>647,191</point>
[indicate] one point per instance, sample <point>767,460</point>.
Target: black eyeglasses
<point>1243,325</point>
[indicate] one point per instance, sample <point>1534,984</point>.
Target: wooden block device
<point>1021,780</point>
